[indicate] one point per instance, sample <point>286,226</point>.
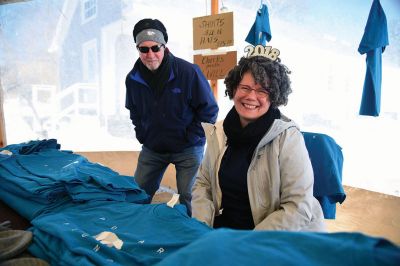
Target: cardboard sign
<point>216,66</point>
<point>211,32</point>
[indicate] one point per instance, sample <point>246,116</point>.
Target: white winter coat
<point>280,180</point>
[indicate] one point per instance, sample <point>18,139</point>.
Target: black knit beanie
<point>149,23</point>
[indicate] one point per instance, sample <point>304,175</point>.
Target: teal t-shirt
<point>150,233</point>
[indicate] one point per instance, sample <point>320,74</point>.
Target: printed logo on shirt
<point>176,90</point>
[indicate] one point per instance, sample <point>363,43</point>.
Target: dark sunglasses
<point>154,48</point>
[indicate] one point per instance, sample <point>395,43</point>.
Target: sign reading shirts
<point>211,32</point>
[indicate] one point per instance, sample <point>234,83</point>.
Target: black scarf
<point>251,135</point>
<point>159,78</point>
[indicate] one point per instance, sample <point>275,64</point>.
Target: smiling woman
<point>250,108</point>
<point>262,178</point>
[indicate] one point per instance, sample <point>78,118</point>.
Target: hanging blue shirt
<point>373,43</point>
<point>260,32</point>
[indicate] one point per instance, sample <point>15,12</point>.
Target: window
<point>89,10</point>
<point>89,61</point>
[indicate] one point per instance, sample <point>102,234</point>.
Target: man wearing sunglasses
<point>168,98</point>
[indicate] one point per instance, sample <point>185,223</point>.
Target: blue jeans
<point>152,165</point>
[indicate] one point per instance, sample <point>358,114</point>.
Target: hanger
<point>261,6</point>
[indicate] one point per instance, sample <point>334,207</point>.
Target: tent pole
<point>214,83</point>
<point>3,141</point>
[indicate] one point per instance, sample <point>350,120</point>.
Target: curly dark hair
<point>262,68</point>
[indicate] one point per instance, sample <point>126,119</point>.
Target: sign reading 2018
<point>259,50</point>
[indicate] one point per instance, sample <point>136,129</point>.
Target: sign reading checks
<point>211,32</point>
<point>216,66</point>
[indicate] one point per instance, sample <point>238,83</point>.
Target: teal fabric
<point>32,146</point>
<point>150,233</point>
<point>327,162</point>
<point>45,178</point>
<point>82,179</point>
<point>260,32</point>
<point>230,247</point>
<point>373,43</point>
